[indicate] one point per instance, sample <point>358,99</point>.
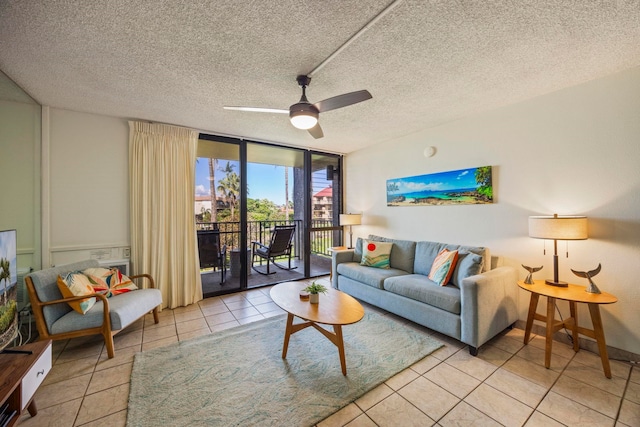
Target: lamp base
<point>559,283</point>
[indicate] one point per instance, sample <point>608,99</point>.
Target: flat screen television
<point>8,288</point>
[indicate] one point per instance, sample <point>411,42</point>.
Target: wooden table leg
<point>287,333</point>
<point>551,307</point>
<point>340,344</point>
<point>574,329</point>
<point>32,408</point>
<point>598,331</point>
<point>533,305</point>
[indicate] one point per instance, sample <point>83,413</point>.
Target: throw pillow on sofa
<point>469,264</point>
<point>376,254</point>
<point>75,284</point>
<point>443,267</point>
<point>109,281</point>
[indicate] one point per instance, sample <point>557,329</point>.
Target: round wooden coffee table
<point>335,308</point>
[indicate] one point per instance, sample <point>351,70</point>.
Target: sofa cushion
<point>479,250</point>
<point>376,254</point>
<point>124,309</point>
<point>420,288</point>
<point>469,264</point>
<point>368,275</point>
<point>426,253</point>
<point>357,250</point>
<point>403,252</point>
<point>443,267</point>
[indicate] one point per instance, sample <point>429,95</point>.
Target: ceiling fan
<point>304,115</point>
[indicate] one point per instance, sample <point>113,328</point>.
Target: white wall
<point>575,151</point>
<point>88,186</point>
<point>20,177</point>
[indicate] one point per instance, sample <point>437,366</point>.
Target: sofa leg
<point>156,319</point>
<point>473,351</point>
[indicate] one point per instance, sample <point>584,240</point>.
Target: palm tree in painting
<point>5,276</point>
<point>483,179</point>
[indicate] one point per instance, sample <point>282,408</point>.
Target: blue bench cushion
<point>368,275</point>
<point>420,288</point>
<point>124,309</point>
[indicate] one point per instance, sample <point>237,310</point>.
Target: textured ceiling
<point>424,62</point>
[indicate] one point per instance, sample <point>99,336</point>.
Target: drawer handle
<point>40,373</point>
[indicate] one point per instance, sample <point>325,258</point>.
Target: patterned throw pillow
<point>109,281</point>
<point>376,254</point>
<point>443,266</point>
<point>76,284</point>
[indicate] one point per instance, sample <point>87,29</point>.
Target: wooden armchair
<point>280,245</point>
<point>56,320</point>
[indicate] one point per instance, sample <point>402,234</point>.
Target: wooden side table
<point>573,294</point>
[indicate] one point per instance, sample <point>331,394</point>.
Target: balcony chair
<point>56,320</point>
<point>280,245</point>
<point>212,254</point>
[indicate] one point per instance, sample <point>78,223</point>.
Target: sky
<point>265,181</point>
<point>451,180</point>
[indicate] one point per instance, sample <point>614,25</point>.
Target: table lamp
<point>350,220</point>
<point>557,228</point>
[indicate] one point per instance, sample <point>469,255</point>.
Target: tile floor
<point>506,384</point>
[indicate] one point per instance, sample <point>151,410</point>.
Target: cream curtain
<point>162,162</point>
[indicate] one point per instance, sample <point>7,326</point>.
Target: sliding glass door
<point>218,216</point>
<point>265,214</point>
<point>325,196</point>
<point>275,201</point>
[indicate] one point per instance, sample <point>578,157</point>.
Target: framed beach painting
<point>471,186</point>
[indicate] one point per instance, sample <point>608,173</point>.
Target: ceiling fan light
<point>304,121</point>
<point>303,115</point>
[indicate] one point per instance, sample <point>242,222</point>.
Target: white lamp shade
<point>558,227</point>
<point>303,121</point>
<point>350,219</point>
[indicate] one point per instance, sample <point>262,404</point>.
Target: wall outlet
<point>126,252</point>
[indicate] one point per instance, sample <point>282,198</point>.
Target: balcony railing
<point>321,240</point>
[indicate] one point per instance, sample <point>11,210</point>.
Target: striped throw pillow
<point>443,266</point>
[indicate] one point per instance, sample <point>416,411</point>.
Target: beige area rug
<point>237,377</point>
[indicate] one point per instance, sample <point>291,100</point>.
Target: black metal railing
<point>322,235</point>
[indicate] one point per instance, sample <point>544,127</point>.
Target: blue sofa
<point>479,302</point>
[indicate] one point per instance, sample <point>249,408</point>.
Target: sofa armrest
<point>488,304</point>
<point>338,257</point>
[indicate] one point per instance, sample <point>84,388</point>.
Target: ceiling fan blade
<point>316,131</point>
<point>343,100</point>
<point>257,109</point>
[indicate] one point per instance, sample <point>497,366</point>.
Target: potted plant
<point>314,290</point>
